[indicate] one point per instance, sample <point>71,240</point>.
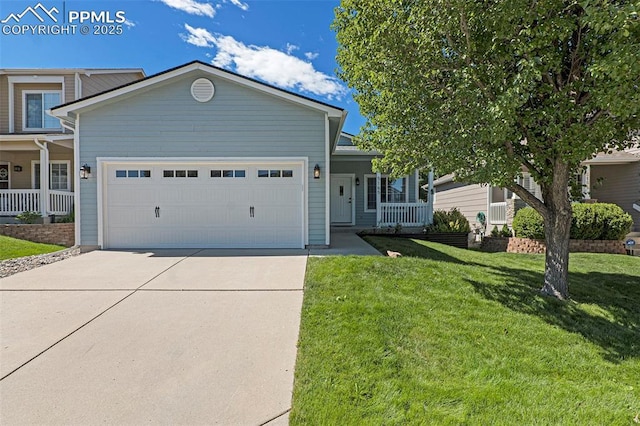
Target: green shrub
<point>448,222</point>
<point>528,223</point>
<point>505,231</point>
<point>600,221</point>
<point>28,217</point>
<point>70,218</point>
<point>495,232</point>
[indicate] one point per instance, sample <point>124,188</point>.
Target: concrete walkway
<point>164,336</point>
<point>171,336</point>
<point>346,243</point>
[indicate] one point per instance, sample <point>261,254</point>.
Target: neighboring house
<point>36,153</point>
<point>197,156</point>
<point>609,178</point>
<point>615,178</point>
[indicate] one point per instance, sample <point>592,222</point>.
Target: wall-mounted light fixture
<point>357,181</point>
<point>316,172</point>
<point>85,171</point>
<point>17,168</point>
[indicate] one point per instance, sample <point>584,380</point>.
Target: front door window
<point>4,176</point>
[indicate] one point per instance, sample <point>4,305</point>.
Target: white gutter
<point>636,205</point>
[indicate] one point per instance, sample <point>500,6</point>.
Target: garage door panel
<point>239,211</point>
<point>131,195</point>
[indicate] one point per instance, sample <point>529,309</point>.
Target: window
<point>180,173</point>
<point>133,173</point>
<point>391,191</point>
<point>228,173</point>
<point>58,175</point>
<point>35,106</point>
<point>275,173</point>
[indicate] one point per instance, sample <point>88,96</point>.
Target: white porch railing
<point>16,201</point>
<point>60,202</point>
<point>498,213</point>
<point>406,214</point>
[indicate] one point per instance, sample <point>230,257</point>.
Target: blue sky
<point>286,43</point>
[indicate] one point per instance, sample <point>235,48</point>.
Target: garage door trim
<point>104,162</point>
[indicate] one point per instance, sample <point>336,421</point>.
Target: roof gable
<point>68,110</point>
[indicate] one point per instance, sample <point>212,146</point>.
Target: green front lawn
<point>454,336</point>
<point>11,248</point>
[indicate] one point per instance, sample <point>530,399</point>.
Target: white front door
<point>214,205</point>
<point>341,199</point>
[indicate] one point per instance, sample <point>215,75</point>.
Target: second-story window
<point>35,105</point>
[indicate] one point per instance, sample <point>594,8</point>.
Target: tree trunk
<point>557,230</point>
<point>556,269</point>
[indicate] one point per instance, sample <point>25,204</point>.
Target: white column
<point>44,177</point>
<point>378,199</point>
<point>431,194</point>
<point>586,183</point>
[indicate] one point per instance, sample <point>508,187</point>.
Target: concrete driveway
<point>169,336</point>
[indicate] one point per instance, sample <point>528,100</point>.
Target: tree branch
<point>528,198</point>
<point>594,117</point>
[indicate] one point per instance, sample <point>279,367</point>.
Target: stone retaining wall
<point>52,233</point>
<point>526,245</point>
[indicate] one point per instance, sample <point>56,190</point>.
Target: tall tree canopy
<point>482,89</point>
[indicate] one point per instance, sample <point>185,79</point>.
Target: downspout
<point>44,177</point>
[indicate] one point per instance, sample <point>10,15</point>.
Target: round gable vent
<point>202,90</point>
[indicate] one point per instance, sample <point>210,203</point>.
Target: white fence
<point>16,201</point>
<point>406,214</point>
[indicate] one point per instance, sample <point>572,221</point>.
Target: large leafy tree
<point>485,89</point>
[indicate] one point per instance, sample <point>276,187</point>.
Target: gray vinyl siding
<point>469,199</point>
<point>362,167</point>
<point>165,121</point>
<point>620,185</point>
<point>98,83</point>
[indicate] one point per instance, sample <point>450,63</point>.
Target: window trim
<point>69,173</point>
<point>366,190</point>
<point>44,111</point>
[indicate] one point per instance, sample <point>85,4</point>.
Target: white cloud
<point>241,5</point>
<point>129,24</point>
<point>291,48</point>
<point>264,63</point>
<point>311,55</point>
<point>192,7</point>
<point>198,37</point>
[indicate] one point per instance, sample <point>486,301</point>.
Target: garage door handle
<point>157,211</point>
<point>251,211</point>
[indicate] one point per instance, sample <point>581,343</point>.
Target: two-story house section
<point>36,149</point>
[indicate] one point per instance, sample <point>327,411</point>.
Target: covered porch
<point>406,214</point>
<point>36,174</point>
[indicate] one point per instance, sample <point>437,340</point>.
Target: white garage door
<point>211,205</point>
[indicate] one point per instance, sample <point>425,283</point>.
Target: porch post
<point>44,177</point>
<point>586,183</point>
<point>378,199</point>
<point>431,193</point>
